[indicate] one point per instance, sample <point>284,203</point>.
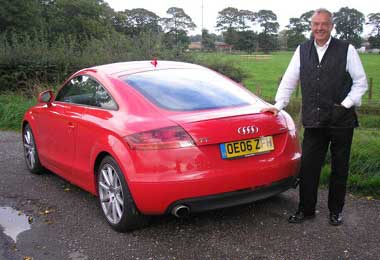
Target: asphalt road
<point>67,224</point>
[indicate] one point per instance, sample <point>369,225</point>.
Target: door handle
<point>71,125</point>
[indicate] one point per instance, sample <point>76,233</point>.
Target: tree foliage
<point>295,33</point>
<point>178,20</point>
<point>297,25</point>
<point>208,40</point>
<point>349,25</point>
<point>267,39</point>
<point>247,41</point>
<point>268,21</point>
<point>246,19</point>
<point>20,16</point>
<point>176,26</point>
<point>136,21</point>
<point>228,19</point>
<point>306,20</point>
<point>374,20</point>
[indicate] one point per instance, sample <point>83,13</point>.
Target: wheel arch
<point>101,155</point>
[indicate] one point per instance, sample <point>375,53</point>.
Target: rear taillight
<point>162,138</point>
<point>289,121</point>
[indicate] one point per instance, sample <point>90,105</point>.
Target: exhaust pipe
<point>181,211</point>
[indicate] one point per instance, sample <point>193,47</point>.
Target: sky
<point>284,9</point>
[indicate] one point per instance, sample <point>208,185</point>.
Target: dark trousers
<point>314,148</point>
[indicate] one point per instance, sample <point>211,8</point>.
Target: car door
<point>92,131</point>
<point>58,126</point>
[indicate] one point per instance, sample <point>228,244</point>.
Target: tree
<point>177,26</point>
<point>267,38</point>
<point>20,16</point>
<point>208,41</point>
<point>245,17</point>
<point>349,25</point>
<point>306,20</point>
<point>297,25</point>
<point>283,39</point>
<point>247,41</point>
<point>268,21</point>
<point>231,36</point>
<point>374,20</point>
<point>295,34</point>
<point>179,20</point>
<point>374,41</point>
<point>294,39</point>
<point>228,19</point>
<point>82,18</point>
<point>177,40</point>
<point>135,21</point>
<point>267,42</point>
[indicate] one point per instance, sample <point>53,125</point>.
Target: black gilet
<point>324,85</point>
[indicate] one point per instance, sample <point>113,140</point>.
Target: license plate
<point>246,147</point>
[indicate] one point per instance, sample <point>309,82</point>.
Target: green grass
<point>364,176</point>
<point>264,72</point>
<point>12,109</point>
<point>369,121</point>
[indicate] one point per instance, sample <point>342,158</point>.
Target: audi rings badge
<point>245,130</point>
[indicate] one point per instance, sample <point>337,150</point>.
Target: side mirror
<point>46,97</point>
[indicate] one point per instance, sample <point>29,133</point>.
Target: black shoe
<point>336,219</point>
<point>300,217</point>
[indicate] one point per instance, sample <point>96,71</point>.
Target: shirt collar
<point>324,46</point>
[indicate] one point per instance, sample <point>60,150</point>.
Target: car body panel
<point>70,138</point>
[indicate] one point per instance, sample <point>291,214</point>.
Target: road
<point>66,223</point>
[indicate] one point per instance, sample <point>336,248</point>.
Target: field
<point>264,71</point>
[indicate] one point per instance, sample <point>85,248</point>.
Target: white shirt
<point>354,67</point>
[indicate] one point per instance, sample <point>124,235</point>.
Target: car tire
<point>30,151</point>
<point>115,199</point>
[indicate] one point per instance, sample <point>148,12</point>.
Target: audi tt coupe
<point>151,138</point>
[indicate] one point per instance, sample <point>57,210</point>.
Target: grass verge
<point>12,109</point>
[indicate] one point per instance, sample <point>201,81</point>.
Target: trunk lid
<point>227,125</point>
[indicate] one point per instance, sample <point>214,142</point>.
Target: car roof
<point>125,68</point>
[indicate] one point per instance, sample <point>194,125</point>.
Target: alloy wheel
<point>29,148</point>
<point>111,193</point>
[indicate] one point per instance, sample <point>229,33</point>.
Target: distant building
<point>195,46</point>
<point>222,46</point>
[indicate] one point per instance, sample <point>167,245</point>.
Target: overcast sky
<point>284,9</point>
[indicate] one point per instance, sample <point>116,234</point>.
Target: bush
<point>28,59</point>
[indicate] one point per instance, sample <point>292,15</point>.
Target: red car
<point>152,139</point>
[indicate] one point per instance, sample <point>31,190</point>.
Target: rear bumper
<point>212,190</point>
<point>229,199</point>
<point>197,174</point>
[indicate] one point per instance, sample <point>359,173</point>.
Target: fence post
<point>370,89</point>
<point>258,91</point>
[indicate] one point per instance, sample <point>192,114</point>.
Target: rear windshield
<point>189,89</point>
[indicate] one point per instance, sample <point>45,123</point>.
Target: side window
<point>84,90</point>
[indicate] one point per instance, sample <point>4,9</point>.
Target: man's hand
<point>272,110</point>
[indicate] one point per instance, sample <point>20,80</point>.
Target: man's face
<point>321,26</point>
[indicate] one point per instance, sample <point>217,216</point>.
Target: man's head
<point>321,25</point>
